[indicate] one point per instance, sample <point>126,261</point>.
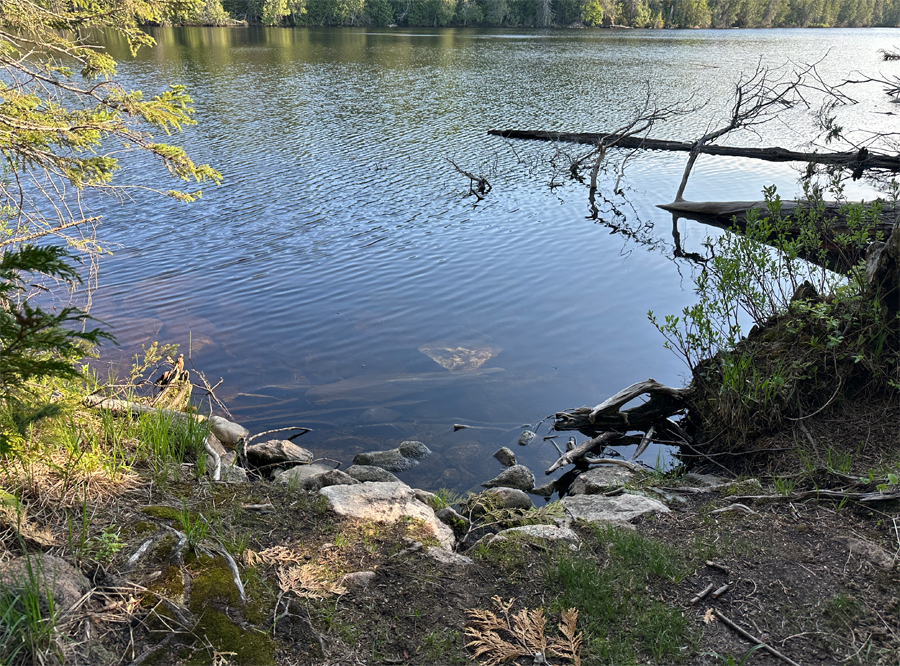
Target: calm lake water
<point>343,240</point>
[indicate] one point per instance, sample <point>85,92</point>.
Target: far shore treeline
<point>545,13</point>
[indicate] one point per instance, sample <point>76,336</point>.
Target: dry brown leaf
<point>308,580</point>
<point>496,639</point>
<point>708,616</point>
<point>568,647</point>
<point>273,555</point>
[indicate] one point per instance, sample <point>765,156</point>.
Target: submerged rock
<point>506,457</point>
<point>517,476</point>
<point>404,457</point>
<point>526,437</point>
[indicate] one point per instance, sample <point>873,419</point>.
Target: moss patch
<point>161,512</point>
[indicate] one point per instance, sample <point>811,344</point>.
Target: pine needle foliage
<point>496,639</point>
<point>65,120</point>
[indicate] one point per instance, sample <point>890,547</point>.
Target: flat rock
<point>705,480</point>
<point>875,554</point>
<point>448,557</point>
<point>402,458</point>
<point>384,503</point>
<point>56,576</point>
<point>600,480</point>
<point>506,457</point>
<point>517,476</point>
<point>619,509</point>
<point>379,415</point>
<point>371,473</point>
<point>540,532</point>
<point>277,452</point>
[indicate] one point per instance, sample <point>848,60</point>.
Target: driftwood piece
<point>578,453</point>
<point>664,402</point>
<point>850,159</point>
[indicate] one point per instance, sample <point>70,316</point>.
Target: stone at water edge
<point>277,452</point>
<point>506,457</point>
<point>498,498</point>
<point>371,473</point>
<point>517,476</point>
<point>454,520</point>
<point>230,471</point>
<point>600,479</point>
<point>404,457</point>
<point>384,503</point>
<point>228,433</point>
<point>315,477</point>
<point>619,509</point>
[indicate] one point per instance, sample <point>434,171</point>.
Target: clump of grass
<point>609,586</point>
<point>166,441</point>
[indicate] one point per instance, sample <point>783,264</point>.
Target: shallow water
<point>343,240</point>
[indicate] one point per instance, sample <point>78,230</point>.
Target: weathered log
<point>664,402</point>
<point>850,159</point>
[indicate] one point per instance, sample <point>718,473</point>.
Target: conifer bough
<point>64,120</point>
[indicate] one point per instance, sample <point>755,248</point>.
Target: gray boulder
<point>622,508</point>
<point>600,480</point>
<point>498,498</point>
<point>506,457</point>
<point>517,476</point>
<point>526,437</point>
<point>404,457</point>
<point>277,452</point>
<point>384,503</point>
<point>50,574</point>
<point>371,473</point>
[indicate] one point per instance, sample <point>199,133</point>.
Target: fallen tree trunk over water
<point>857,160</point>
<point>734,213</point>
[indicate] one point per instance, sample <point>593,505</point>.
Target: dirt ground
<point>815,580</point>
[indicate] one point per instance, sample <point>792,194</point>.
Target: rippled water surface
<point>343,240</point>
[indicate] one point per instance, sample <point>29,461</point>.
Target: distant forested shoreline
<point>545,13</point>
